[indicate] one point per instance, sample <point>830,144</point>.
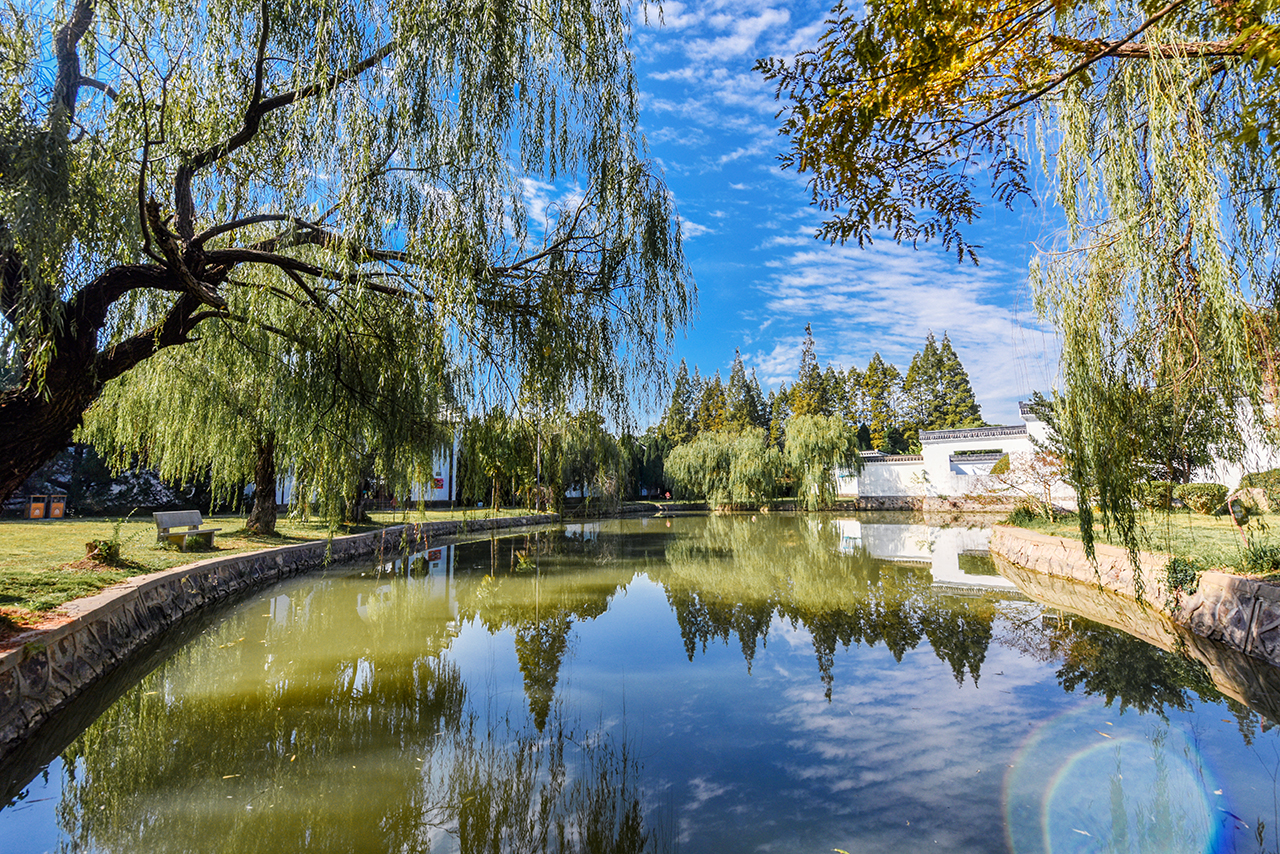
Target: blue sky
<point>710,125</point>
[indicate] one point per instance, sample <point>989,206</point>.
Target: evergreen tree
<point>696,388</point>
<point>676,421</point>
<point>807,394</point>
<point>922,388</point>
<point>959,407</point>
<point>712,406</point>
<point>880,384</point>
<point>833,392</point>
<point>759,407</point>
<point>738,403</point>
<point>855,402</point>
<point>779,412</point>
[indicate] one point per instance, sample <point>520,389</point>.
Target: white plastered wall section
<point>1259,453</point>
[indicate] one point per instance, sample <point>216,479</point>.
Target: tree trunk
<point>262,518</point>
<point>33,429</point>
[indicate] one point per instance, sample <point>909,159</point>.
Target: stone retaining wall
<point>47,668</point>
<point>1241,613</point>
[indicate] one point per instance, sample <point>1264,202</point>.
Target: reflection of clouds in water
<point>904,744</point>
<point>701,790</point>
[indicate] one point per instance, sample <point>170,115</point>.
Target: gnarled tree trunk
<point>262,518</point>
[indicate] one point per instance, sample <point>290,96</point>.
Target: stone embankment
<point>43,670</point>
<point>1239,614</point>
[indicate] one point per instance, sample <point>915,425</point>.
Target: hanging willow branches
<point>1154,122</point>
<point>456,189</point>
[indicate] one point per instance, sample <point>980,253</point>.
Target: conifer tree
<point>712,406</point>
<point>759,407</point>
<point>855,402</point>
<point>807,394</point>
<point>959,407</point>
<point>922,388</point>
<point>880,383</point>
<point>677,420</point>
<point>779,412</point>
<point>738,409</point>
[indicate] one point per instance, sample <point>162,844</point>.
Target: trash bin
<point>57,506</point>
<point>36,506</point>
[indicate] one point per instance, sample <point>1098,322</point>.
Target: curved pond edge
<point>49,667</point>
<point>1240,613</point>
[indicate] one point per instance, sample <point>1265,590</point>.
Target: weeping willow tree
<point>1153,121</point>
<point>246,405</point>
<point>376,173</point>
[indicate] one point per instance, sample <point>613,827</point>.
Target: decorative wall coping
<point>1239,612</point>
<point>971,433</point>
<point>976,458</point>
<point>46,668</point>
<point>893,458</point>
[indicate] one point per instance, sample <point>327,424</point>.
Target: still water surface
<point>724,684</point>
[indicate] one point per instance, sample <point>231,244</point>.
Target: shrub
<point>1203,498</point>
<point>1261,559</point>
<point>1022,515</point>
<point>1156,494</point>
<point>1001,465</point>
<point>1183,573</point>
<point>1267,481</point>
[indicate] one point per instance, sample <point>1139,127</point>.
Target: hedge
<point>1203,498</point>
<point>1156,494</point>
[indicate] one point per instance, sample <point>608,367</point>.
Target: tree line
<point>732,444</point>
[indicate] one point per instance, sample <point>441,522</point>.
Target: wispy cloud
<point>887,298</point>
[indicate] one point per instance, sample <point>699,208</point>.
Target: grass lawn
<point>1211,540</point>
<point>43,564</point>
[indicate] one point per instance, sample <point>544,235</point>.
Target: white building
<point>951,463</point>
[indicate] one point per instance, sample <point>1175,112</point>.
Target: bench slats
<point>169,520</point>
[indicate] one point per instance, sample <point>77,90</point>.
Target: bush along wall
<point>1206,498</point>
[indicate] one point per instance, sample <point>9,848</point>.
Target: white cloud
<point>886,298</point>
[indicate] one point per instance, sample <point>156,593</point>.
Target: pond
<point>695,684</point>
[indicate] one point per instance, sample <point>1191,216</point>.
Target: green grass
<point>43,565</point>
<point>1209,540</point>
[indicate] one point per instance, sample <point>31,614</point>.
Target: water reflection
<point>707,684</point>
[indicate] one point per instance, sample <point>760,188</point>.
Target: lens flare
<point>1094,781</point>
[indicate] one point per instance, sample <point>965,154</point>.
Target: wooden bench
<point>178,526</point>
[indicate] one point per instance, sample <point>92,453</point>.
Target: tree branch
<point>1057,81</point>
<point>254,114</point>
<point>66,50</point>
<point>1173,50</point>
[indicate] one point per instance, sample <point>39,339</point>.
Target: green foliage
<point>817,445</point>
<point>1001,466</point>
<point>1183,573</point>
<point>727,469</point>
<point>809,393</point>
<point>1205,498</point>
<point>1156,494</point>
<point>1155,125</point>
<point>1268,481</point>
<point>1021,515</point>
<point>1261,559</point>
<point>344,176</point>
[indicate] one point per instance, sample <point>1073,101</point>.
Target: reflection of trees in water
<point>334,731</point>
<point>1124,670</point>
<point>724,576</point>
<point>739,574</point>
